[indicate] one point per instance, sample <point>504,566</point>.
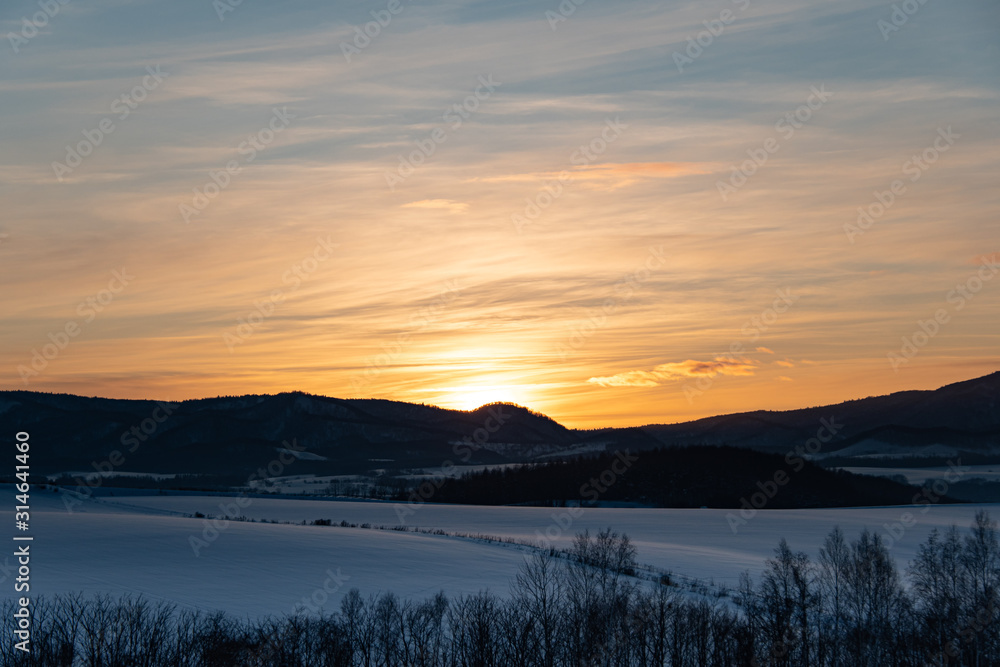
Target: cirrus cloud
<point>449,205</point>
<point>677,370</point>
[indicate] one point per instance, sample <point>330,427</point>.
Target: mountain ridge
<point>235,433</point>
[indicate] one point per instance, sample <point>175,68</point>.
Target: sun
<point>472,396</point>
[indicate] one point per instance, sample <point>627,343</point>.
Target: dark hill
<point>964,416</point>
<point>720,477</point>
<point>236,435</point>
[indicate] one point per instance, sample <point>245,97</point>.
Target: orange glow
<point>474,396</point>
<point>508,259</point>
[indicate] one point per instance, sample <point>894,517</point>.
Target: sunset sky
<point>501,201</point>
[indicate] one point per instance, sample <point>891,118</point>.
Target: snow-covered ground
<point>876,449</point>
<point>310,484</point>
<point>109,474</point>
<point>252,569</point>
<point>990,472</point>
<point>142,544</point>
<point>458,470</point>
<point>320,484</point>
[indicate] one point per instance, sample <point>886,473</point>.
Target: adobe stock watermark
<point>591,492</point>
<point>418,322</point>
<point>264,308</point>
<point>585,155</point>
<point>753,328</point>
<point>122,106</point>
<point>984,617</point>
<point>562,13</point>
<point>130,440</point>
<point>213,527</point>
<point>786,127</point>
<point>363,36</point>
<point>915,167</point>
<point>795,459</point>
<point>958,297</point>
<point>223,7</point>
<point>313,603</point>
<point>221,179</point>
<point>623,290</point>
<point>713,28</point>
<point>39,20</point>
<point>495,418</point>
<point>778,652</point>
<point>759,324</point>
<point>87,310</point>
<point>898,17</point>
<point>454,116</point>
<point>929,495</point>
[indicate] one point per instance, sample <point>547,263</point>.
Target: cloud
<point>718,366</point>
<point>676,370</point>
<point>520,294</point>
<point>785,364</point>
<point>446,204</point>
<point>628,379</point>
<point>978,260</point>
<point>614,176</point>
<point>609,175</point>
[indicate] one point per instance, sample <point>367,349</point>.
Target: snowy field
<point>141,544</point>
<point>111,474</point>
<point>319,484</point>
<point>990,472</point>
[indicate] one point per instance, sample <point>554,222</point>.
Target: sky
<point>613,213</point>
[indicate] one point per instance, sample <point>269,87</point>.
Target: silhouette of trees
<point>673,477</point>
<point>584,607</point>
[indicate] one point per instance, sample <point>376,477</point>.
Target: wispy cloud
<point>607,175</point>
<point>450,220</point>
<point>678,370</point>
<point>442,204</point>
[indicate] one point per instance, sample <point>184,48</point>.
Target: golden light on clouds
<point>441,204</point>
<point>429,291</point>
<point>606,175</point>
<point>470,397</point>
<point>678,370</point>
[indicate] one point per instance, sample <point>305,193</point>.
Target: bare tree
<point>834,572</point>
<point>787,601</point>
<point>388,630</point>
<point>941,586</point>
<point>538,589</point>
<point>423,631</point>
<point>873,599</point>
<point>473,622</point>
<point>981,559</point>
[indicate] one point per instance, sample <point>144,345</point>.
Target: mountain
<point>960,418</point>
<point>236,436</point>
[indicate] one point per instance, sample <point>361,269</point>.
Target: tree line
<point>584,607</point>
<point>696,476</point>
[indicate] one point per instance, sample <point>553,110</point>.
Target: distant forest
<point>719,477</point>
<point>583,608</point>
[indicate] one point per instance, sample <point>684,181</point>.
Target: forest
<point>584,606</point>
<point>693,476</point>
